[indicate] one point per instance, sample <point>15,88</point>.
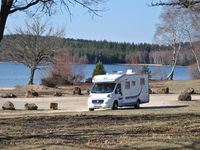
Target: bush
<point>55,80</point>
<point>49,82</point>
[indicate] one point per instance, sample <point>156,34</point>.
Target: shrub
<point>48,82</point>
<point>55,80</point>
<point>62,71</point>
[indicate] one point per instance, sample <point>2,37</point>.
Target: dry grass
<point>176,86</point>
<point>147,128</point>
<point>150,128</point>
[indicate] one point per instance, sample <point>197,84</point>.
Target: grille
<point>97,101</point>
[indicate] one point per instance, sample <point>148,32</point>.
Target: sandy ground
<point>79,104</point>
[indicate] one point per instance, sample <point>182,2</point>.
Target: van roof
<point>106,78</point>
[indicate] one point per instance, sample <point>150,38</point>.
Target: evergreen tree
<point>99,69</point>
<point>145,70</point>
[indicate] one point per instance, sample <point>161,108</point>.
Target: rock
<point>31,93</point>
<point>185,96</point>
<point>8,95</point>
<point>54,106</point>
<point>58,94</point>
<point>11,95</point>
<point>150,91</point>
<point>77,90</point>
<point>164,90</point>
<point>4,95</point>
<point>190,91</point>
<point>8,106</point>
<point>30,106</point>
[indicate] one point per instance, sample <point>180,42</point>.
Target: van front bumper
<point>94,104</point>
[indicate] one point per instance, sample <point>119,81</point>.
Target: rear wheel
<point>137,105</point>
<point>91,109</point>
<point>115,105</point>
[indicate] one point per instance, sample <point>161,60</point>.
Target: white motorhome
<point>119,90</point>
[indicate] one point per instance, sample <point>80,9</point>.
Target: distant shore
<point>145,64</point>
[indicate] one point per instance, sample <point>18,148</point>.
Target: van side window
<point>142,81</point>
<point>133,83</point>
<point>127,85</point>
<point>118,89</point>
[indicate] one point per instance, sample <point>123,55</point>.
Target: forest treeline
<point>117,52</point>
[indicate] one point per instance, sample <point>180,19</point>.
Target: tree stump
<point>77,91</point>
<point>54,106</point>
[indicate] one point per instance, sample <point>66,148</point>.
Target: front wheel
<point>115,105</point>
<point>137,105</point>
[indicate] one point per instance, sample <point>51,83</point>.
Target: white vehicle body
<point>119,90</point>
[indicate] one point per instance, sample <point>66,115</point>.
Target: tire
<point>91,109</point>
<point>115,105</point>
<point>137,105</point>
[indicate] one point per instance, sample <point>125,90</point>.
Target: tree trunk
<point>4,12</point>
<point>175,57</point>
<point>32,72</point>
<point>197,61</point>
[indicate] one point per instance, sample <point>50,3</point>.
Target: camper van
<point>119,90</point>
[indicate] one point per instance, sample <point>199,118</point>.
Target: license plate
<point>97,105</point>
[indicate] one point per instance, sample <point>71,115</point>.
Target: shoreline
<point>7,88</point>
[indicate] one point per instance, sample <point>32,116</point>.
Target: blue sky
<point>122,21</point>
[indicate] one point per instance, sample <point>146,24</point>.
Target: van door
<point>119,94</point>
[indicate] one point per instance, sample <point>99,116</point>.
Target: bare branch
<point>184,3</point>
<point>45,6</point>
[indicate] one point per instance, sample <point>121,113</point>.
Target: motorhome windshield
<point>103,87</point>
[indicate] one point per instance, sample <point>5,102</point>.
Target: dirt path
<point>79,104</point>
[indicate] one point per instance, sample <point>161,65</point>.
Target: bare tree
<point>182,3</point>
<point>45,6</point>
<point>33,45</point>
<point>186,28</point>
<point>190,24</point>
<point>169,32</point>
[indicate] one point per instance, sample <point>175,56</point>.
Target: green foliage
<point>99,69</point>
<point>145,70</point>
<point>113,52</point>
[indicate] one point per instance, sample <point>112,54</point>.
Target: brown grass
<point>146,128</point>
<point>176,86</point>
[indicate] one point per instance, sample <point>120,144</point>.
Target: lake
<point>12,74</point>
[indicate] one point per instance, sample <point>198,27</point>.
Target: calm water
<point>12,74</point>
